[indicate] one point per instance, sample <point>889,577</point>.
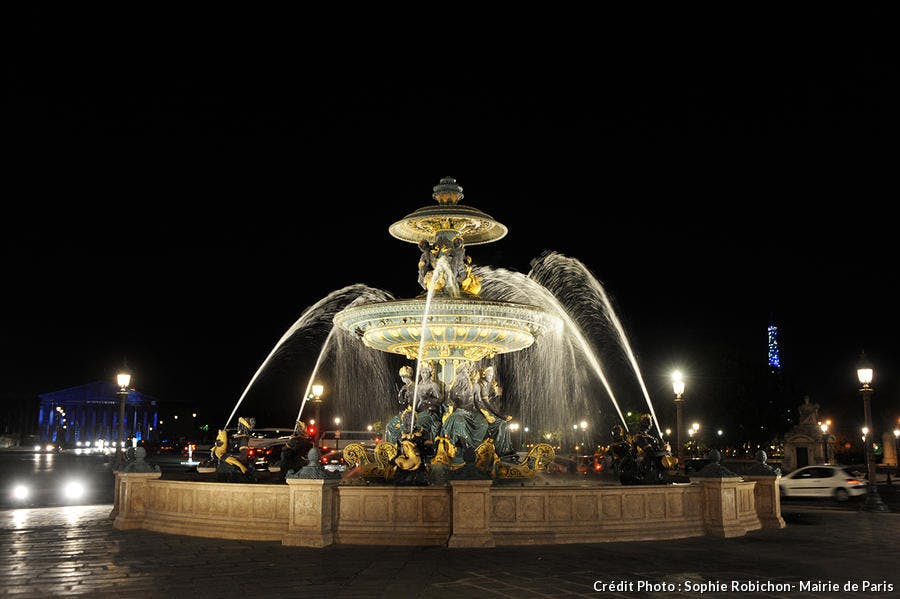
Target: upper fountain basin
<point>457,328</point>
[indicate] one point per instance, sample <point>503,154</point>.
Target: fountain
<point>446,472</point>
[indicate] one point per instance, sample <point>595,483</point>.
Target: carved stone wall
<point>394,515</point>
<point>228,511</point>
<point>524,516</point>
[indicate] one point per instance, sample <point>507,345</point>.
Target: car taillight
<point>250,452</point>
<point>853,481</point>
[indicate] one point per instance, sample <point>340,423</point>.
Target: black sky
<point>180,189</point>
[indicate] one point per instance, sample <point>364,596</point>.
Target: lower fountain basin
<point>466,513</point>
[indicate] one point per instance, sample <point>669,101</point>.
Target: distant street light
<point>865,374</point>
<point>678,387</point>
<point>123,379</point>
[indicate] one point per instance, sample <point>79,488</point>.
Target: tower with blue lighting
<point>774,352</point>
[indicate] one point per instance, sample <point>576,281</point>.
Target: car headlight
<point>20,492</point>
<point>73,490</point>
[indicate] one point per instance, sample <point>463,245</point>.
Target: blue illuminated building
<point>90,412</point>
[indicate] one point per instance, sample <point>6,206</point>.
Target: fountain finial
<point>448,192</point>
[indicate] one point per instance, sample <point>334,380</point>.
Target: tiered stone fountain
<point>448,326</point>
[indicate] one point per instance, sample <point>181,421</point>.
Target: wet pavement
<point>67,551</point>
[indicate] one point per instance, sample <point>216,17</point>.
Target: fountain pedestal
<point>130,499</point>
<point>729,507</point>
<point>768,500</point>
<point>311,516</point>
<point>471,514</point>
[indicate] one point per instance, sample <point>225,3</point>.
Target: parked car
<point>838,482</point>
<point>590,464</point>
<point>338,439</point>
<point>266,444</point>
<point>333,461</point>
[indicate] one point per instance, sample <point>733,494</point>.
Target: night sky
<point>179,190</point>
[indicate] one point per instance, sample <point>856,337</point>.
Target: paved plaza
<point>66,551</point>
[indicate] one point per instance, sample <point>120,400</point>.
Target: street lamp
<point>678,387</point>
<point>865,373</point>
<point>897,452</point>
<point>695,430</point>
<point>513,429</point>
<point>317,392</point>
<point>824,427</point>
<point>123,379</point>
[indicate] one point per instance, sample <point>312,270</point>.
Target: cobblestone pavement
<point>55,552</point>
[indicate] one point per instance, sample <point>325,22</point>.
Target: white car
<point>838,482</point>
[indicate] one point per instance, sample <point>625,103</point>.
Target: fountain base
<point>466,513</point>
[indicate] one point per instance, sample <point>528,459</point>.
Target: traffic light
<point>311,431</point>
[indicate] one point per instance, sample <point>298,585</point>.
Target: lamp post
<point>678,387</point>
<point>317,391</point>
<point>695,430</point>
<point>897,452</point>
<point>865,373</point>
<point>123,379</point>
<point>824,427</point>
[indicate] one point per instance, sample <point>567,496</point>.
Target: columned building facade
<point>88,413</point>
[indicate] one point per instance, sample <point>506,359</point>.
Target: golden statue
<point>220,450</point>
<point>410,458</point>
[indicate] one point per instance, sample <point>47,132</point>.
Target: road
<point>46,475</point>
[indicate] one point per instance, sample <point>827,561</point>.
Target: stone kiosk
<point>805,444</point>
